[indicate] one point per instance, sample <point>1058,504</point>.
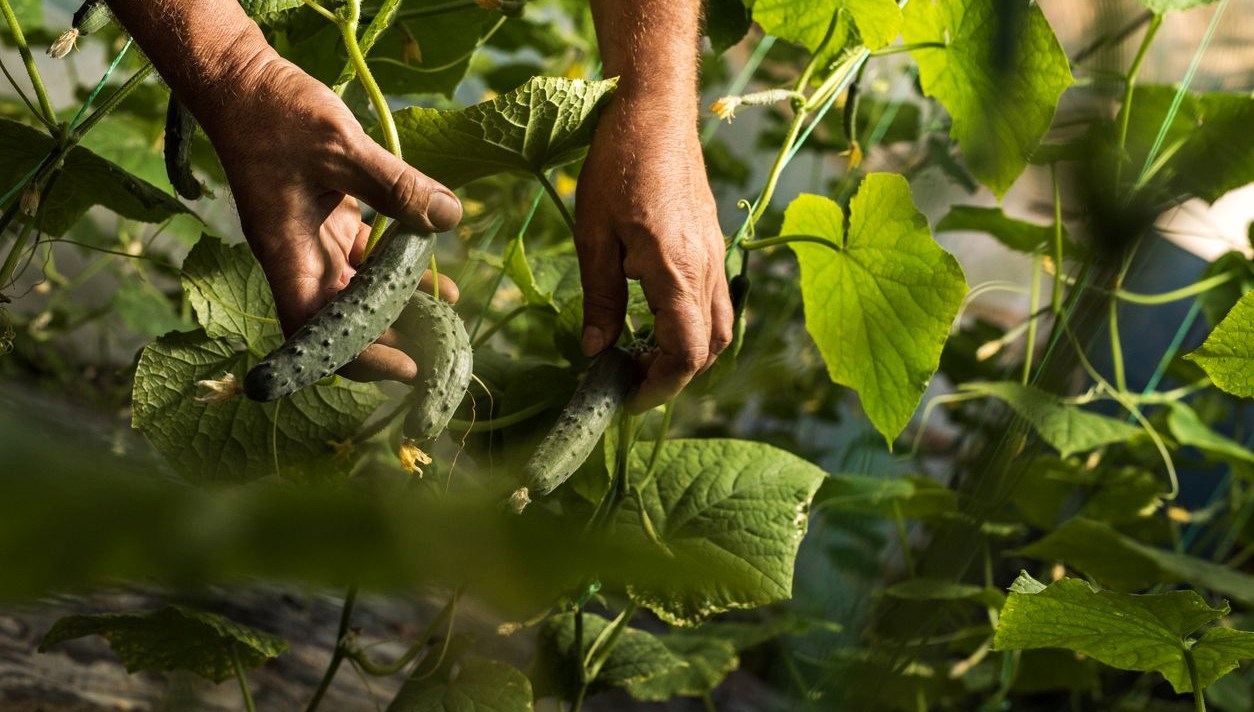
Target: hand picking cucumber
<point>445,361</point>
<point>350,322</point>
<point>610,378</point>
<point>180,127</point>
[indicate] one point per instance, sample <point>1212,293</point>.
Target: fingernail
<point>444,211</point>
<point>593,341</point>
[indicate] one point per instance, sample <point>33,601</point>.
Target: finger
<point>683,349</point>
<point>604,290</point>
<point>721,315</point>
<point>448,288</point>
<point>357,252</point>
<point>379,363</point>
<point>399,190</point>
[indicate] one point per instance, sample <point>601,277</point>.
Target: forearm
<point>651,45</point>
<point>202,48</point>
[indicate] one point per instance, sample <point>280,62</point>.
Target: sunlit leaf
<point>1188,429</point>
<point>638,656</point>
<point>806,23</point>
<point>1227,356</point>
<point>1066,427</point>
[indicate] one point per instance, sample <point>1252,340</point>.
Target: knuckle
<point>411,193</point>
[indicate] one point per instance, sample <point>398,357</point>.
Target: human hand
<point>297,162</point>
<point>644,211</point>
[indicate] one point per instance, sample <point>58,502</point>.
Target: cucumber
<point>91,16</point>
<point>445,361</point>
<point>180,127</point>
<point>567,445</point>
<point>350,322</point>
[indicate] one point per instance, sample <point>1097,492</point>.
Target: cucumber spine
<point>350,322</point>
<point>572,438</point>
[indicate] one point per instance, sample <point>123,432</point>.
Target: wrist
<point>655,109</point>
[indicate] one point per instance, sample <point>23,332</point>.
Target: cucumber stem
<point>49,114</point>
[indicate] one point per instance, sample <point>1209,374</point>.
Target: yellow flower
<point>413,458</point>
<point>725,108</point>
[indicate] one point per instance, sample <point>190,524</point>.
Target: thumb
<point>604,291</point>
<point>398,190</point>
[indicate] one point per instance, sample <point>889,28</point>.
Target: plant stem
<point>785,239</point>
<point>604,644</point>
<point>504,421</point>
<point>243,681</point>
<point>112,101</point>
<point>903,535</point>
<point>1130,85</point>
<point>19,39</point>
<point>1056,296</point>
<point>1176,294</point>
<point>557,200</point>
<point>442,8</point>
<point>908,47</point>
<point>1033,306</point>
<point>1199,699</point>
<point>52,129</point>
<point>500,324</point>
<point>376,27</point>
<point>437,623</point>
<point>337,656</point>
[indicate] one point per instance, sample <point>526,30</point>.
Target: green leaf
<point>1066,427</point>
<point>1188,429</point>
<point>467,684</point>
<point>1147,633</point>
<point>446,45</point>
<point>230,295</point>
<point>726,22</point>
<point>923,589</point>
<point>912,497</point>
<point>545,123</point>
<point>546,280</point>
<point>173,638</point>
<point>878,21</point>
<point>1123,563</point>
<point>1227,355</point>
<point>880,307</point>
<point>146,310</point>
<point>1160,7</point>
<point>638,656</point>
<point>1113,495</point>
<point>1217,302</point>
<point>1018,235</point>
<point>239,440</point>
<point>85,179</point>
<point>1208,147</point>
<point>1002,100</point>
<point>734,508</point>
<point>708,662</point>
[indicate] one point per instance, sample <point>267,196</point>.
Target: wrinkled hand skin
<point>298,162</point>
<point>644,211</point>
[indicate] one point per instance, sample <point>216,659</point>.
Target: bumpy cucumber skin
<point>91,16</point>
<point>445,361</point>
<point>180,127</point>
<point>350,322</point>
<point>604,389</point>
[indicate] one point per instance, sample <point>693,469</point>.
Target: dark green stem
<point>19,39</point>
<point>557,200</point>
<point>909,47</point>
<point>383,670</point>
<point>243,681</point>
<point>504,421</point>
<point>785,239</point>
<point>1128,88</point>
<point>1199,698</point>
<point>337,656</point>
<point>500,324</point>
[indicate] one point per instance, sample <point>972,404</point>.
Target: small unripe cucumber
<point>445,361</point>
<point>91,16</point>
<point>604,389</point>
<point>350,322</point>
<point>180,127</point>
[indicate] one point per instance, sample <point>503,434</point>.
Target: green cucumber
<point>445,361</point>
<point>180,127</point>
<point>350,322</point>
<point>91,16</point>
<point>567,445</point>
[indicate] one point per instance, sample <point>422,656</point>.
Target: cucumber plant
<point>803,518</point>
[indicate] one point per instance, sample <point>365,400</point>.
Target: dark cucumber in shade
<point>350,322</point>
<point>441,348</point>
<point>609,380</point>
<point>180,127</point>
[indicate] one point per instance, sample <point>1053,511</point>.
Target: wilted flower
<point>413,458</point>
<point>519,500</point>
<point>222,389</point>
<point>63,44</point>
<point>30,200</point>
<point>725,108</point>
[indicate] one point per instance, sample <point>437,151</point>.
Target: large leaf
<point>239,440</point>
<point>1112,495</point>
<point>544,123</point>
<point>1066,427</point>
<point>1148,633</point>
<point>1208,147</point>
<point>174,638</point>
<point>733,508</point>
<point>230,295</point>
<point>999,75</point>
<point>467,683</point>
<point>85,179</point>
<point>1227,355</point>
<point>913,497</point>
<point>726,23</point>
<point>708,659</point>
<point>880,307</point>
<point>806,23</point>
<point>1123,563</point>
<point>638,656</point>
<point>1188,429</point>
